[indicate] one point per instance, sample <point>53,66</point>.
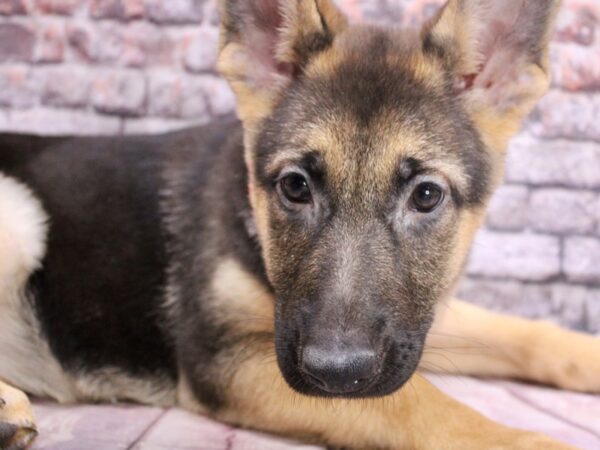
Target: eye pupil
<point>295,188</point>
<point>426,197</point>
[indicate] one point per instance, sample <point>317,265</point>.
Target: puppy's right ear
<point>497,51</point>
<point>266,43</point>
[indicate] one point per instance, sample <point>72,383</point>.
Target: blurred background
<point>147,66</point>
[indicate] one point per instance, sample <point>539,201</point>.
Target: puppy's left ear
<point>497,51</point>
<point>265,44</point>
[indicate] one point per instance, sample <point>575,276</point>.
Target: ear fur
<point>266,43</point>
<point>498,53</point>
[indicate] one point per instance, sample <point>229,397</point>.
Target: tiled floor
<point>573,418</point>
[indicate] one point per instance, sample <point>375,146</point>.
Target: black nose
<point>339,369</point>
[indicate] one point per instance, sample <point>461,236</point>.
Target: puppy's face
<point>371,154</point>
<point>366,172</point>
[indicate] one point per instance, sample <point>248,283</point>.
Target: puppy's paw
<point>17,425</point>
<point>572,361</point>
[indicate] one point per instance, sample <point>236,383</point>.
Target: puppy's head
<point>371,154</point>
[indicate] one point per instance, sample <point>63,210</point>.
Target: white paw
<point>17,425</point>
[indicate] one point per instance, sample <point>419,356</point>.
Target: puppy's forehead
<point>372,101</point>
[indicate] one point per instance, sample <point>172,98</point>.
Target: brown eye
<point>294,187</point>
<point>427,197</point>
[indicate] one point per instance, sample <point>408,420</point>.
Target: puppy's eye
<point>426,197</point>
<point>294,187</point>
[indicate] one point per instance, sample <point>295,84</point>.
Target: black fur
<point>97,192</point>
<point>211,220</point>
<point>100,295</point>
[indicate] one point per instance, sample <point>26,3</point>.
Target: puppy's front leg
<point>417,417</point>
<point>17,426</point>
<point>469,340</point>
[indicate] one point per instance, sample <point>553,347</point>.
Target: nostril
<point>316,381</point>
<point>339,371</point>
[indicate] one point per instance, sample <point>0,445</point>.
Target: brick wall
<point>130,66</point>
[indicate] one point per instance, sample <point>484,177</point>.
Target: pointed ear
<point>266,43</point>
<point>497,51</point>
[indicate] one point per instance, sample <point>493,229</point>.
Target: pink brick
<point>165,93</point>
<point>508,208</point>
<point>177,96</point>
<point>597,209</point>
<point>200,50</point>
<point>194,102</point>
<point>528,300</point>
<point>60,7</point>
<point>219,94</point>
<point>101,43</point>
<point>118,9</point>
<point>518,256</point>
<point>16,42</point>
<point>136,45</point>
<point>569,306</point>
<point>593,312</point>
<point>568,115</point>
<point>578,22</point>
<point>144,44</point>
<point>582,259</point>
<point>576,67</point>
<point>66,87</point>
<point>563,211</point>
<point>134,9</point>
<point>10,7</point>
<point>18,87</point>
<point>211,14</point>
<point>4,120</point>
<point>79,38</point>
<point>120,93</point>
<point>158,125</point>
<point>53,122</point>
<point>577,307</point>
<point>175,11</point>
<point>559,162</point>
<point>50,46</point>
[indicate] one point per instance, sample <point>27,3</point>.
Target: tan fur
<point>497,127</point>
<point>17,422</point>
<point>460,25</point>
<point>261,399</point>
<point>467,339</point>
<point>393,140</point>
<point>485,344</point>
<point>245,301</point>
<point>260,202</point>
<point>255,102</point>
<point>186,398</point>
<point>468,224</point>
<point>111,384</point>
<point>303,18</point>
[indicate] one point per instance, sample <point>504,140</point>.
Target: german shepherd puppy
<point>285,272</point>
